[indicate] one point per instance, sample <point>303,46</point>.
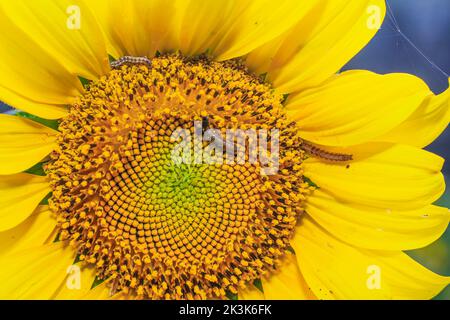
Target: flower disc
<point>158,229</point>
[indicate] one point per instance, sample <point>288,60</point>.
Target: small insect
<point>130,60</point>
<point>325,155</point>
<point>205,123</point>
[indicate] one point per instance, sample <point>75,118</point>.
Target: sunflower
<point>92,207</point>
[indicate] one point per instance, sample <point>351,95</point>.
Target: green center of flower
<point>157,228</point>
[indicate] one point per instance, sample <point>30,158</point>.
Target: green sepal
<point>231,296</point>
<point>37,169</point>
<point>310,182</point>
<point>44,201</point>
<point>258,284</point>
<point>85,82</point>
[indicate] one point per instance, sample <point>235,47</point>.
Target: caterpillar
<point>130,60</point>
<point>325,155</point>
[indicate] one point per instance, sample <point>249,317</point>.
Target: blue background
<point>414,38</point>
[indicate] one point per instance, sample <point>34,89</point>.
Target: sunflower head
<point>212,150</point>
<point>162,229</point>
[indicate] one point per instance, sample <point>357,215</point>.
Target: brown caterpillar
<point>130,60</point>
<point>326,155</point>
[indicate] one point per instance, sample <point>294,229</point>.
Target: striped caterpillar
<point>130,60</point>
<point>325,155</point>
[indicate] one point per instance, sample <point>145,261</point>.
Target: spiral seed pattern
<point>158,230</point>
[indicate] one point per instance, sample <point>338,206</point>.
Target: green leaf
<point>54,124</point>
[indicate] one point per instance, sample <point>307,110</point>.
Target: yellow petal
<point>287,283</point>
<point>20,194</point>
<point>377,228</point>
<point>78,283</point>
<point>34,231</point>
<point>145,25</point>
<point>100,292</point>
<point>23,102</point>
<point>251,293</point>
<point>259,22</point>
<point>356,107</point>
<point>120,296</point>
<point>320,44</point>
<point>198,25</point>
<point>30,78</point>
<point>335,270</point>
<point>35,273</point>
<point>23,143</point>
<point>394,177</point>
<point>54,26</point>
<point>225,28</point>
<point>425,124</point>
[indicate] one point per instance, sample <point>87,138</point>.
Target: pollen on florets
<point>162,231</point>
